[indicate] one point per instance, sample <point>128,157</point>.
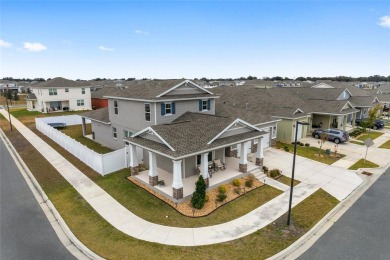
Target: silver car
<point>335,135</point>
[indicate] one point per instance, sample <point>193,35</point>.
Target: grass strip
<point>362,164</point>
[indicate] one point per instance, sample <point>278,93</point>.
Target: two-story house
<point>59,94</point>
<point>175,127</point>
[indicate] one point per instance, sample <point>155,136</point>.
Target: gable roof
<point>154,90</point>
<point>190,134</point>
<point>62,83</point>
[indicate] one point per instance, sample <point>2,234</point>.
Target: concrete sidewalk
<point>132,225</point>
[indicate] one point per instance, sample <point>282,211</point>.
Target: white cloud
<point>385,21</point>
<point>34,46</point>
<point>5,44</point>
<point>141,32</point>
<point>102,48</point>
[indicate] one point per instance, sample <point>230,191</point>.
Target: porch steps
<point>269,181</point>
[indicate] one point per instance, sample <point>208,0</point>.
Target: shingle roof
<point>31,96</point>
<point>362,101</point>
<point>62,83</point>
<point>190,134</point>
<point>101,92</point>
<point>100,115</point>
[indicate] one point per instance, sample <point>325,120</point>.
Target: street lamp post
<point>293,170</point>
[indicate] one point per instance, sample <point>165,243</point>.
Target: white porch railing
<point>101,163</point>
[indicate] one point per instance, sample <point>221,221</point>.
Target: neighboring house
<point>11,86</point>
<point>175,126</point>
<point>98,98</point>
<point>59,94</point>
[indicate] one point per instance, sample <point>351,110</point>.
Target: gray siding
<point>235,130</point>
<point>183,89</point>
<point>181,108</point>
<point>152,138</point>
<point>219,154</point>
<point>103,135</point>
<point>131,114</point>
<point>190,164</point>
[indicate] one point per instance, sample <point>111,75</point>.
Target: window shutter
<point>162,109</point>
<point>173,108</point>
<point>200,105</point>
<point>208,104</point>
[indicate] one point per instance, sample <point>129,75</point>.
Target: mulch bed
<point>185,207</point>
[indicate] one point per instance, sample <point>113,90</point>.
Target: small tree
<point>199,196</point>
<point>15,96</point>
<point>322,140</point>
<point>373,115</point>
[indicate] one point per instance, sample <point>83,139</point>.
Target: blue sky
<point>188,39</point>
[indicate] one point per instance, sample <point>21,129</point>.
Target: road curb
<point>307,240</point>
<point>66,236</point>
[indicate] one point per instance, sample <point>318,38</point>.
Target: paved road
<point>25,232</point>
<point>363,232</point>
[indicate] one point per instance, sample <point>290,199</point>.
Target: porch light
<point>293,170</point>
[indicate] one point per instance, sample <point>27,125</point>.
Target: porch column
<point>133,160</point>
<point>83,126</point>
<point>353,119</point>
<point>243,166</point>
<point>177,184</point>
<point>259,153</point>
<point>153,174</point>
<point>204,167</point>
<point>345,119</point>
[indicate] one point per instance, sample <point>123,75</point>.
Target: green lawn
<point>310,153</point>
<point>385,145</point>
<point>108,242</point>
<point>356,142</point>
<point>361,164</point>
<point>373,135</point>
<point>287,180</point>
<point>76,132</point>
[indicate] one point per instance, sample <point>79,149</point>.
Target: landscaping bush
<point>301,144</point>
<point>236,182</point>
<point>274,173</point>
<point>237,190</point>
<point>249,183</point>
<point>222,189</point>
<point>307,144</point>
<point>207,198</point>
<point>286,149</point>
<point>265,169</point>
<point>221,197</point>
<point>199,196</point>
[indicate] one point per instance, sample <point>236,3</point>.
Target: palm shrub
<point>199,196</point>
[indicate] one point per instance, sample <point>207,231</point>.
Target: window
<point>80,102</point>
<point>114,132</point>
<point>66,90</point>
<point>204,105</point>
<point>199,158</point>
<point>52,92</point>
<point>127,133</point>
<point>147,112</point>
<point>168,108</point>
<point>82,90</point>
<point>116,109</point>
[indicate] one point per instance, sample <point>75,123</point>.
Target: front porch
<point>216,178</point>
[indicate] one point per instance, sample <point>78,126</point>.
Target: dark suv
<point>335,135</point>
<point>378,124</point>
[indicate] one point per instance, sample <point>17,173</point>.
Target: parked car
<point>378,124</point>
<point>335,135</point>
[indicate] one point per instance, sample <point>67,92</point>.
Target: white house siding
<point>181,108</point>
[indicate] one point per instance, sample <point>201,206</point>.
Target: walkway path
<point>132,225</point>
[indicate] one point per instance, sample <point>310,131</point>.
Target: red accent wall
<point>99,103</point>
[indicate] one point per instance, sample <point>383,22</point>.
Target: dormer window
<point>204,105</point>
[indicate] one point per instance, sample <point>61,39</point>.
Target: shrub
<point>307,144</point>
<point>221,197</point>
<point>301,144</point>
<point>286,149</point>
<point>274,173</point>
<point>265,169</point>
<point>206,198</point>
<point>236,182</point>
<point>251,177</point>
<point>249,183</point>
<point>222,189</point>
<point>237,190</point>
<point>199,196</point>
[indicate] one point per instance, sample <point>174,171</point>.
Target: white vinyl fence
<point>102,163</point>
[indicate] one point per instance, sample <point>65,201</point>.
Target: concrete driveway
<point>335,180</point>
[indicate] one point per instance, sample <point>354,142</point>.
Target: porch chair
<point>219,165</point>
